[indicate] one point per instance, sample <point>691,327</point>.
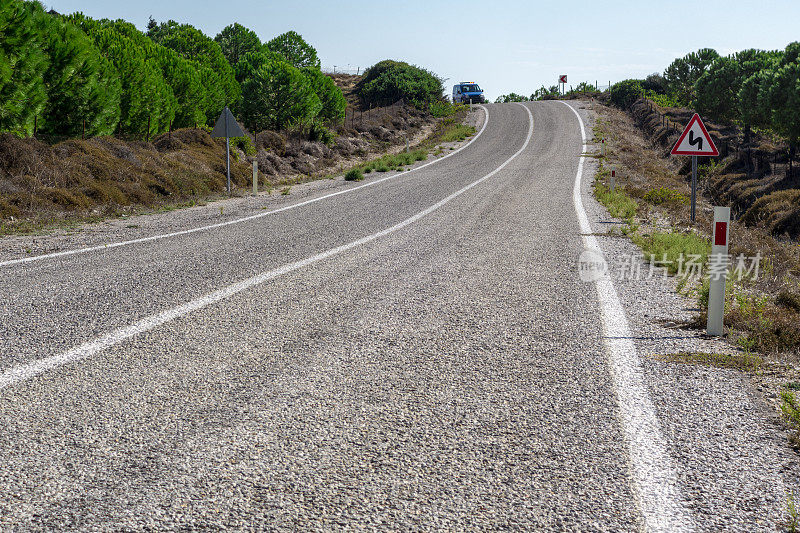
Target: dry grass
<point>104,175</point>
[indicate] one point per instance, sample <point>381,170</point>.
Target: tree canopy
<point>393,80</point>
<point>294,49</point>
<point>236,41</point>
<point>190,43</point>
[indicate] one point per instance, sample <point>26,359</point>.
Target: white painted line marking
<point>26,371</point>
<point>656,485</point>
<point>111,245</point>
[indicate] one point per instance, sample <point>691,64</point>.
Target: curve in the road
<point>242,219</point>
<point>26,371</point>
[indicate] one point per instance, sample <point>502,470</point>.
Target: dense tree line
<point>752,88</point>
<point>68,75</point>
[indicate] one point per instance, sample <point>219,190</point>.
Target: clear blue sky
<point>505,46</point>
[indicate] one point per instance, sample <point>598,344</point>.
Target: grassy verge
<point>790,406</point>
<point>447,130</point>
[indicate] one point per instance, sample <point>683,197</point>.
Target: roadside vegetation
<point>98,118</point>
<point>762,309</point>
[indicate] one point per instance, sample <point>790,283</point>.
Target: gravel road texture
<point>451,374</point>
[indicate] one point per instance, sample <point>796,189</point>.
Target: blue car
<point>468,92</point>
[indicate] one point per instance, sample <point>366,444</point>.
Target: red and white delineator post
<point>718,270</point>
<point>613,180</point>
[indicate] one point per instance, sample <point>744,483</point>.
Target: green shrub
<point>623,94</point>
<point>244,144</point>
<point>443,108</point>
<point>619,204</point>
<point>511,97</point>
<point>318,132</point>
<point>394,80</point>
<point>455,131</point>
<point>354,175</point>
<point>664,195</point>
<point>663,100</point>
<point>673,246</point>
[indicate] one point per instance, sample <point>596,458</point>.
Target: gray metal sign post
<point>228,156</point>
<point>227,127</point>
<point>694,183</point>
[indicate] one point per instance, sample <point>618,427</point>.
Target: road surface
<point>417,353</point>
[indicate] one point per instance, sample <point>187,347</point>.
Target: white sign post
<point>695,141</point>
<point>227,127</point>
<point>255,177</point>
<point>718,270</point>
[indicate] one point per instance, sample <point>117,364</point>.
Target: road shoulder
<point>720,430</point>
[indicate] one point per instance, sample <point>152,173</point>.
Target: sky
<point>505,46</point>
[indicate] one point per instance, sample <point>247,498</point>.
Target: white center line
<point>27,371</point>
<point>656,485</point>
<point>118,244</point>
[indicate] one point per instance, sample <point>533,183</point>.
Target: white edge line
<point>111,245</point>
<point>656,484</point>
<point>27,371</point>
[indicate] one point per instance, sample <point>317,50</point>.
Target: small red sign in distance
<point>721,234</point>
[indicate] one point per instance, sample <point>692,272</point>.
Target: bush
<point>511,97</point>
<point>354,175</point>
<point>663,100</point>
<point>625,93</point>
<point>442,108</point>
<point>664,195</point>
<point>244,144</point>
<point>394,80</point>
<point>318,132</point>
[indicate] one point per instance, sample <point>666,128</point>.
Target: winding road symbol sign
<point>695,140</point>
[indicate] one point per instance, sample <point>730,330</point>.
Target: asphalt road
<point>417,354</point>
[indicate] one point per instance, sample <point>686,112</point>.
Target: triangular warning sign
<point>695,140</point>
<point>227,126</point>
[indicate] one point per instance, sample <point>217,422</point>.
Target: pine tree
<point>81,84</point>
<point>23,62</point>
<point>277,95</point>
<point>236,41</point>
<point>146,99</point>
<point>192,44</point>
<point>294,49</point>
<point>329,94</point>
